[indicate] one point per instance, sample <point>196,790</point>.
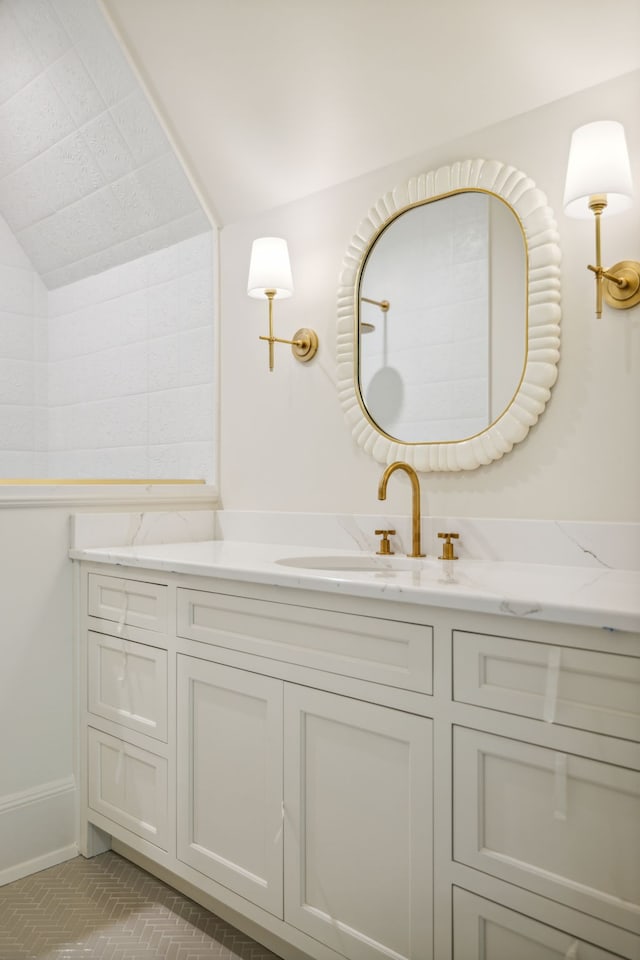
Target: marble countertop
<point>606,598</point>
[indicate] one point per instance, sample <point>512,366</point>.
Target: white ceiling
<point>271,100</point>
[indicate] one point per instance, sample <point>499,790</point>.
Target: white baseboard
<point>25,869</point>
<point>37,829</point>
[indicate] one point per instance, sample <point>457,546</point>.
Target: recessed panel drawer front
<point>128,786</point>
<point>564,826</point>
<point>385,651</point>
<point>484,930</point>
<point>564,685</point>
<point>128,602</point>
<point>127,683</point>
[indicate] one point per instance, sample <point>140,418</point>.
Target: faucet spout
<point>415,501</point>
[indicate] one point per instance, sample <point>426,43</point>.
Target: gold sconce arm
<point>298,342</point>
<point>304,345</point>
<point>620,285</point>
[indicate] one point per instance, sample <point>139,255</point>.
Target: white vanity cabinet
<point>367,779</point>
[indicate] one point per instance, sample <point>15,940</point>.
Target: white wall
<point>285,445</point>
<point>23,305</point>
<point>36,687</point>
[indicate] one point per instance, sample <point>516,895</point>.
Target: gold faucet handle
<point>447,546</point>
<point>385,547</point>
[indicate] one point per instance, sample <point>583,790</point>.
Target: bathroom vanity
<point>378,758</point>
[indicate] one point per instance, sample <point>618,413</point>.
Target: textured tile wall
<point>424,366</point>
<point>111,376</point>
<point>131,369</point>
<point>88,179</point>
<point>23,305</point>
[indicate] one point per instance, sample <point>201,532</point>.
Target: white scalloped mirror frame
<point>543,308</point>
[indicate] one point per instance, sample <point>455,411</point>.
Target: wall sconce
<point>599,182</point>
<point>270,277</point>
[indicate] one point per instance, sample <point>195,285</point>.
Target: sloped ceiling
<point>88,178</point>
<point>271,101</point>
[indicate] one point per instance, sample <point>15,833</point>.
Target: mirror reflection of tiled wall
<point>106,286</point>
<point>435,335</point>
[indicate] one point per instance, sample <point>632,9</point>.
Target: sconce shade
<point>598,164</point>
<point>269,268</point>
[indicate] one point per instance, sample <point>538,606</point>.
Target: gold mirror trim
<point>543,316</point>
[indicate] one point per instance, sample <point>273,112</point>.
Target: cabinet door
<point>358,811</point>
<point>230,778</point>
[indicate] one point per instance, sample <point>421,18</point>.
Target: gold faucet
<point>415,502</point>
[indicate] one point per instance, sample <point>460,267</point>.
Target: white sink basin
<point>354,563</point>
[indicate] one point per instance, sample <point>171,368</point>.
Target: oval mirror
<point>448,317</point>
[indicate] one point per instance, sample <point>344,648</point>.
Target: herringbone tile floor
<point>109,909</point>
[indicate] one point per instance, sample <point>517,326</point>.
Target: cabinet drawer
<point>385,651</point>
<point>483,930</point>
<point>564,685</point>
<point>128,602</point>
<point>562,825</point>
<point>128,786</point>
<point>127,683</point>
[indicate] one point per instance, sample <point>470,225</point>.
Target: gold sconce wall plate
<point>305,344</point>
<point>626,295</point>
